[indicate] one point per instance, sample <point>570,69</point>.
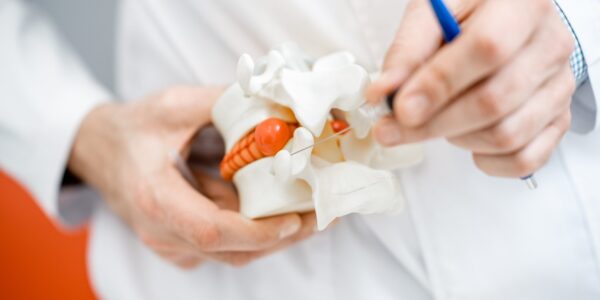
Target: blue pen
<point>451,30</point>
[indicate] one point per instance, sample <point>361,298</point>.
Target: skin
<point>123,151</point>
<point>501,90</point>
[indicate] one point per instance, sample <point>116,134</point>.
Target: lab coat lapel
<point>391,232</point>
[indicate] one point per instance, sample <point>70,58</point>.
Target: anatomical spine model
<point>280,106</point>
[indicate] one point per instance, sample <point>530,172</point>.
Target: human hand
<point>123,151</point>
<point>502,89</point>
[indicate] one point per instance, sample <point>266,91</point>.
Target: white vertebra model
<point>288,92</point>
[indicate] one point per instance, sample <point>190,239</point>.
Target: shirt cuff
<point>584,19</point>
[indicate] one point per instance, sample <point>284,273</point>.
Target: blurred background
<point>38,260</point>
<point>89,25</point>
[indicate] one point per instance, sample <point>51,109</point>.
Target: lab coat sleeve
<point>45,92</point>
<point>584,18</point>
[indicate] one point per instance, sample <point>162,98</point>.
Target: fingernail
<point>416,106</point>
<point>289,230</point>
<point>388,133</point>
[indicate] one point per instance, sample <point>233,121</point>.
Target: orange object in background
<point>37,260</point>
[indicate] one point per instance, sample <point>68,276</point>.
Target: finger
<point>191,104</point>
<point>495,97</point>
<point>237,233</point>
<point>176,255</point>
<point>184,261</point>
<point>482,106</point>
<point>220,192</point>
<point>530,158</point>
<point>188,262</point>
<point>473,56</point>
<point>417,38</point>
<point>309,227</point>
<point>389,132</point>
<point>165,242</point>
<point>180,112</point>
<point>198,220</point>
<point>237,258</point>
<point>509,88</point>
<point>519,128</point>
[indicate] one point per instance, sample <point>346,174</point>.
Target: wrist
<point>92,144</point>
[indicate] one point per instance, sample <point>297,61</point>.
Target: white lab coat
<point>464,235</point>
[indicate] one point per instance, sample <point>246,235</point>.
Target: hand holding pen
<point>500,89</point>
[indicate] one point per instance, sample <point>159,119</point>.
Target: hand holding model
<point>123,151</point>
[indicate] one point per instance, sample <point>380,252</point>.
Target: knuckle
<point>570,84</point>
<point>525,163</point>
<point>518,83</point>
<point>461,8</point>
<point>148,207</point>
<point>490,102</point>
<point>209,237</point>
<point>171,96</point>
<point>504,137</point>
<point>562,93</point>
<point>563,123</point>
<point>543,5</point>
<point>145,203</point>
<point>440,76</point>
<point>240,260</point>
<point>566,43</point>
<point>478,160</point>
<point>490,49</point>
<point>188,265</point>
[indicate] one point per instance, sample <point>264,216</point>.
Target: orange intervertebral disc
<point>338,125</point>
<point>271,135</point>
<point>266,139</point>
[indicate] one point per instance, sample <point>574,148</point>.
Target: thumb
<point>198,220</point>
<point>238,233</point>
<point>416,40</point>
